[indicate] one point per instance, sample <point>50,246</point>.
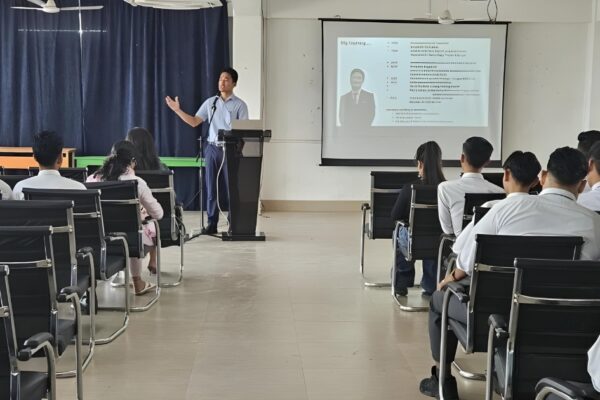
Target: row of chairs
<point>77,237</point>
<point>77,174</point>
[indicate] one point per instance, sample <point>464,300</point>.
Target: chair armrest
<point>365,206</point>
<point>67,293</point>
<point>573,390</point>
<point>498,322</point>
<point>4,271</point>
<point>459,290</point>
<point>35,344</point>
<point>115,235</point>
<point>403,223</point>
<point>82,252</point>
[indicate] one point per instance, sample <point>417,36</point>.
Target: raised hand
<point>173,104</point>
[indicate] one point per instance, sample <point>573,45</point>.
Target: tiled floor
<point>287,319</point>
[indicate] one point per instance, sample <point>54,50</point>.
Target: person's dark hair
<point>358,70</point>
<point>567,165</point>
<point>142,139</point>
<point>232,72</point>
<point>477,151</point>
<point>594,155</point>
<point>586,141</point>
<point>523,166</point>
<point>430,155</point>
<point>121,156</point>
<point>47,148</point>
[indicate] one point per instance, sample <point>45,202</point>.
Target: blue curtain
<point>93,79</point>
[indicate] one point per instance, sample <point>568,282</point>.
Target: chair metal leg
<point>404,305</point>
<point>78,373</point>
<point>362,256</point>
<point>156,296</point>
<point>475,376</point>
<point>489,365</point>
<point>181,263</point>
<point>443,343</point>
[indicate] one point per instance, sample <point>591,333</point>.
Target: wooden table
<point>22,157</point>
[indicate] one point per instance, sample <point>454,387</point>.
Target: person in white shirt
<point>47,151</point>
<point>585,141</point>
<point>120,166</point>
<point>594,364</point>
<point>451,194</point>
<point>591,198</point>
<point>521,170</point>
<point>5,191</point>
<point>553,212</point>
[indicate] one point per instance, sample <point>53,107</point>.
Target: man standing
<point>357,107</point>
<point>219,111</point>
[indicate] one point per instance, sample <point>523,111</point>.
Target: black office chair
<point>12,180</point>
<point>559,389</point>
<point>473,200</point>
<point>109,253</point>
<point>385,187</point>
<point>424,232</point>
<point>122,215</point>
<point>478,213</point>
<point>29,253</point>
<point>14,383</point>
<point>172,229</point>
<point>77,174</point>
<point>68,260</point>
<point>554,320</point>
<point>494,177</point>
<point>490,287</point>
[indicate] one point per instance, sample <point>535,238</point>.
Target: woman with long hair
<point>147,157</point>
<point>429,164</point>
<point>120,166</point>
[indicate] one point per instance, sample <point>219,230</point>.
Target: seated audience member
<point>553,212</point>
<point>591,198</point>
<point>119,166</point>
<point>521,170</point>
<point>147,160</point>
<point>6,191</point>
<point>585,141</point>
<point>594,364</point>
<point>451,194</point>
<point>47,151</point>
<point>429,165</point>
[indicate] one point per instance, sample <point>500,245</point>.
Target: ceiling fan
<point>446,18</point>
<point>50,7</point>
<point>176,4</point>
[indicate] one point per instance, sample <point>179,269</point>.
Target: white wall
<point>547,77</point>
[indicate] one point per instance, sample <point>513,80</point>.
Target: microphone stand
<point>201,176</point>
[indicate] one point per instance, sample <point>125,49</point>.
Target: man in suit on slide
<point>357,107</point>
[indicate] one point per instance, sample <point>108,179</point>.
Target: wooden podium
<point>243,154</point>
<point>22,158</point>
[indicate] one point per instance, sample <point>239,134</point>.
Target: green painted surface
<point>171,162</point>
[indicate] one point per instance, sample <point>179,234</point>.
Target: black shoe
<point>425,294</point>
<point>402,292</point>
<point>430,386</point>
<point>209,230</point>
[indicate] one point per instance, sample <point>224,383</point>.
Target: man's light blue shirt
<point>225,112</point>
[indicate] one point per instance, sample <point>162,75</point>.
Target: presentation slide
<point>390,86</point>
<point>414,81</point>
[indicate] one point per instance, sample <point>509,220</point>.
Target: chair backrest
<point>28,251</point>
<point>59,215</point>
<point>473,200</point>
<point>8,340</point>
<point>87,213</point>
<point>424,224</point>
<point>161,184</point>
<point>494,177</point>
<point>12,180</point>
<point>478,213</point>
<point>77,174</point>
<point>554,320</point>
<point>493,275</point>
<point>385,186</point>
<point>121,211</point>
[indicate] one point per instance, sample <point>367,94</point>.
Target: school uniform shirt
<point>594,364</point>
<point>6,191</point>
<point>451,199</point>
<point>46,179</point>
<point>591,198</point>
<point>554,212</point>
<point>466,233</point>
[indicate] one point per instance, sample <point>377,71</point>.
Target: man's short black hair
<point>232,72</point>
<point>523,166</point>
<point>478,151</point>
<point>359,71</point>
<point>594,155</point>
<point>567,165</point>
<point>586,141</point>
<point>47,148</point>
